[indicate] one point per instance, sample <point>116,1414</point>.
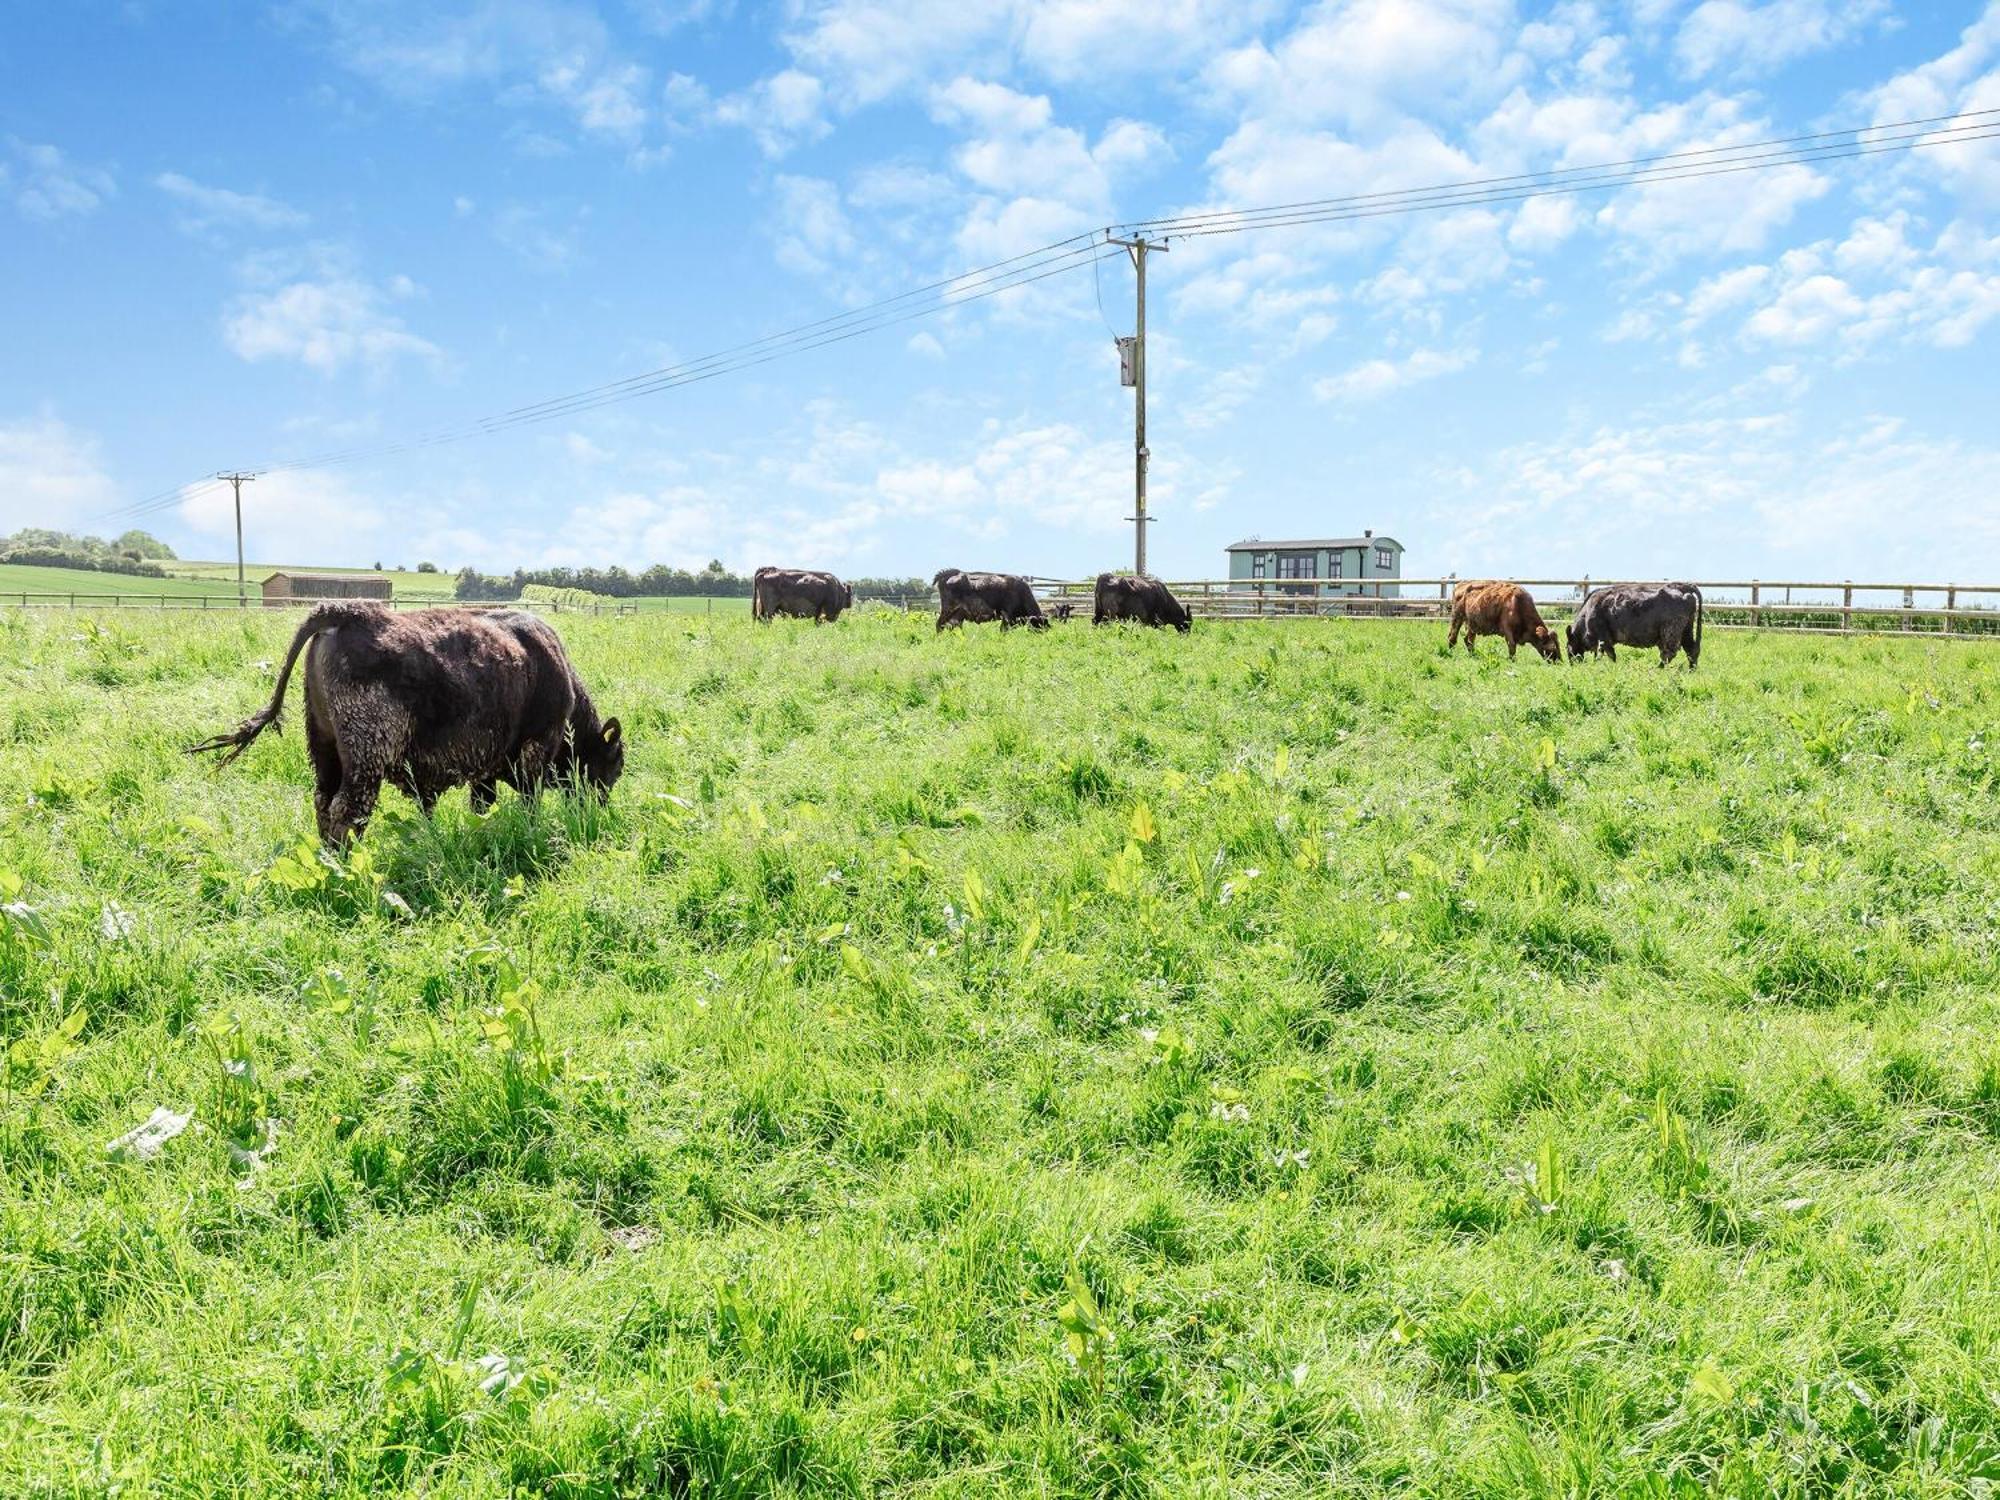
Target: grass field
<point>1285,1060</point>
<point>407,585</point>
<point>217,583</point>
<point>19,578</point>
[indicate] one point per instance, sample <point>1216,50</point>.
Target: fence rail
<point>1844,608</point>
<point>1949,610</point>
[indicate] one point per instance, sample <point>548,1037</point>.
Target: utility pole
<point>236,482</point>
<point>1137,247</point>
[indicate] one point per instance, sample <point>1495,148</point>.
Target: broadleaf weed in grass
<point>1087,1333</point>
<point>240,1103</point>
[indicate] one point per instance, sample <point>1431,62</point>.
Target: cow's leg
<point>1457,619</point>
<point>1670,646</point>
<point>483,794</point>
<point>531,766</point>
<point>1610,649</point>
<point>1512,640</point>
<point>325,755</point>
<point>352,806</point>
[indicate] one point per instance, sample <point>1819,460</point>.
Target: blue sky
<point>233,235</point>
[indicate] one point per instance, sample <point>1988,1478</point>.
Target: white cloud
<point>46,185</point>
<point>549,52</point>
<point>1965,78</point>
<point>1544,223</point>
<point>1016,150</point>
<point>1737,36</point>
<point>605,98</point>
<point>581,450</point>
<point>815,236</point>
<point>780,112</point>
<point>1054,475</point>
<point>1686,498</point>
<point>840,493</point>
<point>1665,221</point>
<point>529,233</point>
<point>1876,244</point>
<point>1872,287</point>
<point>871,49</point>
<point>1807,310</point>
<point>300,516</point>
<point>1378,377</point>
<point>326,324</point>
<point>1364,64</point>
<point>1728,290</point>
<point>204,207</point>
<point>50,475</point>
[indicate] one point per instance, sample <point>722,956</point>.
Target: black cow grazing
<point>1062,609</point>
<point>433,699</point>
<point>799,592</point>
<point>1666,615</point>
<point>1122,596</point>
<point>979,597</point>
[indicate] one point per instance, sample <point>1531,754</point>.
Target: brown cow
<point>432,699</point>
<point>1503,609</point>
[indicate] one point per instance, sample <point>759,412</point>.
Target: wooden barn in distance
<point>281,589</point>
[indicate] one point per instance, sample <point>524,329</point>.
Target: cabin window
<point>1336,565</point>
<point>1384,559</point>
<point>1298,565</point>
<point>1257,565</point>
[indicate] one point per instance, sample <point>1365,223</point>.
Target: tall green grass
<point>1286,1060</point>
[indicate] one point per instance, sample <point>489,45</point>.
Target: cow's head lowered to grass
<point>596,757</point>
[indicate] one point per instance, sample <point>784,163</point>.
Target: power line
<point>1519,195</point>
<point>935,296</point>
<point>1182,223</point>
<point>957,291</point>
<point>1090,247</point>
<point>163,501</point>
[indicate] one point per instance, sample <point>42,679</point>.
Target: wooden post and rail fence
<point>1953,610</point>
<point>1941,610</point>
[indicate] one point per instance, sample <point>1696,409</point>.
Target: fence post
<point>1756,595</point>
<point>1847,608</point>
<point>1951,609</point>
<point>1908,592</point>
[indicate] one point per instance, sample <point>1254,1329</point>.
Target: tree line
<point>658,581</point>
<point>134,553</point>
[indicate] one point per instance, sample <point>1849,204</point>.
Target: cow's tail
<point>1694,656</point>
<point>323,617</point>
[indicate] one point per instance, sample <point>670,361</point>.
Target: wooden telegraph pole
<point>1135,376</point>
<point>236,483</point>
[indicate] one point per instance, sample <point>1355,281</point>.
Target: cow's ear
<point>611,731</point>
